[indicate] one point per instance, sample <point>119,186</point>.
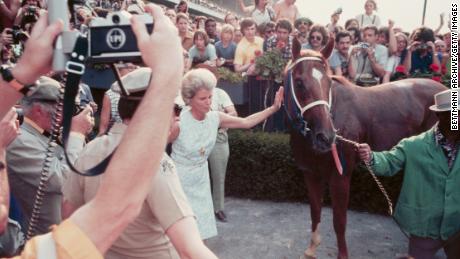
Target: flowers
<point>270,65</point>
<point>434,67</point>
<point>400,69</point>
<point>280,45</point>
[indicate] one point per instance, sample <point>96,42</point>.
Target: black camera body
<point>422,47</point>
<point>32,10</point>
<point>111,39</point>
<point>18,35</point>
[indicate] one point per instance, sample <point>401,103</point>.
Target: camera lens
<point>116,19</point>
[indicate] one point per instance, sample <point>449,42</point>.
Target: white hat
<point>442,101</point>
<point>135,81</point>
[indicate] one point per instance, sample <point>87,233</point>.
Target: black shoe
<point>220,215</point>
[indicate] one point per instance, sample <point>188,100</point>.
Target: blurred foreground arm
<point>35,61</point>
<point>9,129</point>
<point>127,178</point>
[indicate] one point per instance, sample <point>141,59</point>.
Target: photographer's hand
<point>157,48</point>
<point>7,38</point>
<point>83,123</point>
<point>9,128</point>
<point>38,53</point>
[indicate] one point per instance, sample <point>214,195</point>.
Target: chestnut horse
<point>319,107</point>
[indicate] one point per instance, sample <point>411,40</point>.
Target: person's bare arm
<point>434,56</point>
<point>277,9</point>
<point>245,9</point>
<point>120,196</point>
<point>376,67</point>
<point>386,77</point>
<point>441,23</point>
<point>185,237</point>
<point>9,129</point>
<point>353,63</point>
<point>12,11</point>
<point>35,61</point>
<point>105,115</point>
<point>227,121</point>
<point>392,44</point>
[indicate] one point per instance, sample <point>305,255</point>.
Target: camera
<point>422,47</point>
<point>32,10</point>
<point>363,45</point>
<point>18,35</point>
<point>112,39</point>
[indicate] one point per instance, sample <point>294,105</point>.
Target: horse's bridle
<point>297,120</point>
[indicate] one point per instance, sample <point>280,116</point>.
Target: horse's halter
<point>297,120</point>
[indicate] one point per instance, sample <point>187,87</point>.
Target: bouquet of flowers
<point>270,65</point>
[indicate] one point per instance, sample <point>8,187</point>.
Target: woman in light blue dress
<point>195,140</point>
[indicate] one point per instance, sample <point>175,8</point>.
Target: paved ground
<point>268,230</point>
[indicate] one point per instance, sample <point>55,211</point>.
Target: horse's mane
<point>344,81</point>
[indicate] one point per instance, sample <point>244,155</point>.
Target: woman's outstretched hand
<point>278,98</point>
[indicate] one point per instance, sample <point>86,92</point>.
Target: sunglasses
<point>304,23</point>
<point>318,38</point>
<point>269,31</point>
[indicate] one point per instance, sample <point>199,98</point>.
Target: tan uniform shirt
<point>165,204</point>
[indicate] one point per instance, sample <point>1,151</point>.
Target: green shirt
<point>429,202</point>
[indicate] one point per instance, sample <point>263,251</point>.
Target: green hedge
<point>261,167</point>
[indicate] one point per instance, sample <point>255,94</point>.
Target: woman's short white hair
<point>195,80</point>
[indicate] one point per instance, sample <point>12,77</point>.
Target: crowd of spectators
<point>367,52</point>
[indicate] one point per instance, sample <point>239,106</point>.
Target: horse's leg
<point>340,189</point>
<point>315,186</point>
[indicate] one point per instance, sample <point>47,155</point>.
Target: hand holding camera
<point>7,37</point>
<point>36,59</point>
<point>163,44</point>
<point>83,122</point>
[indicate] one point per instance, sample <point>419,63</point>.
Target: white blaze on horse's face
<point>317,75</point>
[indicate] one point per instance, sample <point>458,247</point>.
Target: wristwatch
<point>5,73</point>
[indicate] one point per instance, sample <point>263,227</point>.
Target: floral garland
<point>433,73</point>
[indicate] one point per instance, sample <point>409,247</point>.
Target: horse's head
<point>308,96</point>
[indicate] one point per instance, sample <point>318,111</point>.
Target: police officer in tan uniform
<point>165,227</point>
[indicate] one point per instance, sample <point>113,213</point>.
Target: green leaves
<point>270,65</point>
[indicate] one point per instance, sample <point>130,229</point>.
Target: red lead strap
<point>335,154</point>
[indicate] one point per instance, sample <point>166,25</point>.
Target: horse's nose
<point>323,139</point>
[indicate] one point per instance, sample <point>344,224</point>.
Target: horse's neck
<point>343,96</point>
<point>347,108</point>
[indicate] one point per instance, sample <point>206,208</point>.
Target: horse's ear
<point>326,51</point>
<point>296,47</point>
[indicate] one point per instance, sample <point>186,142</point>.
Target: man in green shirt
<point>429,203</point>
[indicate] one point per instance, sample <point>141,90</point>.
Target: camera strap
<point>75,68</point>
